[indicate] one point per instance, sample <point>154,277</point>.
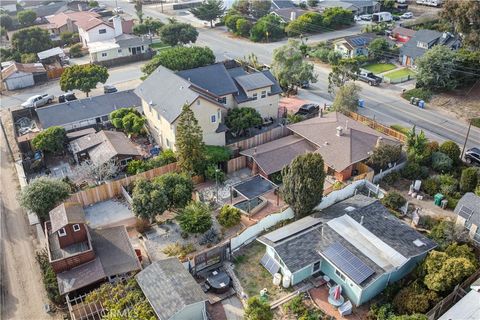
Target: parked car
<point>117,10</point>
<point>308,110</point>
<point>369,77</point>
<point>38,100</point>
<point>357,18</point>
<point>70,96</point>
<point>395,18</point>
<point>382,17</point>
<point>366,17</point>
<point>304,84</point>
<point>109,89</point>
<point>473,156</point>
<point>407,15</point>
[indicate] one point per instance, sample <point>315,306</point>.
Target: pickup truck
<point>38,101</point>
<point>369,78</point>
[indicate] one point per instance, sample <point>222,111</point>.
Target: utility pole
<point>466,138</point>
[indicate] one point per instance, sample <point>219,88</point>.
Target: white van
<point>382,17</point>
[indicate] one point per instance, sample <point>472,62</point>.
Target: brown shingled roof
<point>66,213</point>
<point>22,67</point>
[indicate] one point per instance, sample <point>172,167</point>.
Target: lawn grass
<point>420,93</point>
<point>379,67</point>
<point>158,45</point>
<point>398,74</point>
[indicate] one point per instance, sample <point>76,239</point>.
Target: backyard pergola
<point>253,188</point>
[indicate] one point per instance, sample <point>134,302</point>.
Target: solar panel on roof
<point>348,263</point>
<point>270,264</point>
<point>359,41</point>
<point>465,212</point>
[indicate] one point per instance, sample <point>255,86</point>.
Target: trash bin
<point>361,103</point>
<point>437,199</point>
<point>412,99</point>
<point>421,104</point>
<point>415,101</point>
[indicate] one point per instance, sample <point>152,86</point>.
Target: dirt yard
<point>464,104</point>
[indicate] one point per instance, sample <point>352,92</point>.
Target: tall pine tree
<point>189,143</point>
<point>209,10</point>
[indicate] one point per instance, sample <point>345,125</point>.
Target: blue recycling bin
<point>421,104</point>
<point>361,103</point>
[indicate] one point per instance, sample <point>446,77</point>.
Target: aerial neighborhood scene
<point>240,159</point>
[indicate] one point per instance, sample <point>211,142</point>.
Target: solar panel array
<point>465,212</point>
<point>270,264</point>
<point>359,41</point>
<point>349,264</point>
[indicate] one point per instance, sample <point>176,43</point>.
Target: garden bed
<point>379,67</point>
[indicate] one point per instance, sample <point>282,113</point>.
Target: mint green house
<point>356,243</point>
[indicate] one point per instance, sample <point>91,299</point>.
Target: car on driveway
<point>117,10</point>
<point>366,17</point>
<point>407,15</point>
<point>308,110</point>
<point>38,101</point>
<point>473,156</point>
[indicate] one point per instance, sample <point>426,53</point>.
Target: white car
<point>38,101</point>
<point>407,15</point>
<point>117,10</point>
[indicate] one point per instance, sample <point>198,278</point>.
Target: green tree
<point>28,57</point>
<point>441,162</point>
<point>451,149</point>
<point>128,120</point>
<point>289,67</point>
<point>394,200</point>
<point>436,69</point>
<point>69,38</point>
<point>259,9</point>
<point>83,77</point>
<point>209,10</point>
<point>43,194</point>
<point>385,154</point>
<point>446,233</point>
<point>52,140</point>
<point>415,316</point>
<point>303,183</point>
<point>379,48</point>
<point>139,10</point>
<point>31,40</point>
<point>229,216</point>
<point>138,166</point>
<point>26,17</point>
<point>344,71</point>
<point>337,17</point>
<point>416,145</point>
<point>189,143</point>
<point>148,26</point>
<point>415,298</point>
<point>6,21</point>
<point>241,6</point>
<point>231,21</point>
<point>49,277</point>
<point>463,16</point>
<point>195,218</point>
<point>148,200</point>
<point>313,3</point>
<point>177,33</point>
<point>93,4</point>
<point>241,119</point>
<point>10,54</point>
<point>310,22</point>
<point>267,28</point>
<point>469,179</point>
<point>180,58</point>
<point>243,27</point>
<point>346,98</point>
<point>258,309</point>
<point>122,301</point>
<point>178,189</point>
<point>76,50</point>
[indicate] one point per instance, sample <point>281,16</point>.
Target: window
<point>76,227</point>
<point>213,118</point>
<point>264,94</point>
<point>119,50</point>
<point>198,102</point>
<point>255,96</point>
<point>222,100</point>
<point>316,266</point>
<point>104,54</point>
<point>104,118</point>
<point>102,31</point>
<point>340,275</point>
<point>468,225</point>
<point>125,161</point>
<point>62,232</point>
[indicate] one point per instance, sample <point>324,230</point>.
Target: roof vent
<point>349,209</point>
<point>326,143</point>
<point>150,103</point>
<point>419,243</point>
<point>181,87</point>
<point>379,142</point>
<point>361,220</point>
<point>339,131</point>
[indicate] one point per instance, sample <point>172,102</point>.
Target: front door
<point>134,51</point>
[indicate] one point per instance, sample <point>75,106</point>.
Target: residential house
<point>289,14</point>
<point>358,7</point>
<point>343,143</point>
<point>9,6</point>
<point>82,257</point>
<point>356,243</point>
<point>104,146</point>
<point>96,29</point>
<point>468,308</point>
<point>468,215</point>
<point>23,75</point>
<point>401,34</point>
<point>69,20</point>
<point>88,112</point>
<point>354,46</point>
<point>282,4</point>
<point>424,40</point>
<point>124,45</point>
<point>210,91</point>
<point>172,291</point>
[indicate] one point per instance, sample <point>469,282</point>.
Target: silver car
<point>38,101</point>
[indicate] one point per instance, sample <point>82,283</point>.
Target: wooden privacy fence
<point>378,126</point>
<point>236,164</point>
<point>264,137</point>
<point>113,189</point>
<point>54,73</point>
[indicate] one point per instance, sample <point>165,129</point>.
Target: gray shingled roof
<point>81,276</point>
<point>472,202</point>
<point>66,213</point>
<point>280,4</point>
<point>253,81</point>
<point>169,287</point>
<point>83,109</point>
<point>213,78</point>
<point>431,37</point>
<point>129,40</point>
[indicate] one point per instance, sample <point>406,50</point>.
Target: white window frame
<point>213,118</point>
<point>62,232</point>
<point>102,31</point>
<point>340,275</point>
<point>76,227</point>
<point>264,94</point>
<point>255,96</point>
<point>319,266</point>
<point>104,54</point>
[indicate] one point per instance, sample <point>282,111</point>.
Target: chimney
<point>293,15</point>
<point>346,125</point>
<point>361,220</point>
<point>379,142</point>
<point>117,25</point>
<point>339,131</point>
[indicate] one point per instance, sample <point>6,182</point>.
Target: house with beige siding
<point>210,91</point>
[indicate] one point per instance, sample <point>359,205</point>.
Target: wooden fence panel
<point>236,164</point>
<point>264,137</point>
<point>378,126</point>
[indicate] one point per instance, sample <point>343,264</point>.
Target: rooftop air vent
<point>419,243</point>
<point>349,209</point>
<point>339,131</point>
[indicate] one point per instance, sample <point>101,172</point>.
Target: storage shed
<point>22,75</point>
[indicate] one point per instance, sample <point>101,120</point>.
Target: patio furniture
<point>219,281</point>
<point>346,309</point>
<point>335,296</point>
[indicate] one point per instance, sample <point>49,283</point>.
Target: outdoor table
<point>219,281</point>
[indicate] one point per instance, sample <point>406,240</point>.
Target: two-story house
<point>83,257</point>
<point>424,40</point>
<point>354,46</point>
<point>210,91</point>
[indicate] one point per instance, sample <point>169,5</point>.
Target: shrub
<point>420,93</point>
<point>391,178</point>
<point>452,202</point>
<point>400,128</point>
<point>50,140</point>
<point>195,218</point>
<point>380,312</point>
<point>179,250</point>
<point>217,154</point>
<point>441,162</point>
<point>76,50</point>
<point>384,155</point>
<point>414,299</point>
<point>243,27</point>
<point>413,171</point>
<point>296,306</point>
<point>451,149</point>
<point>49,277</point>
<point>229,216</point>
<point>469,179</point>
<point>210,237</point>
<point>142,225</point>
<point>445,233</point>
<point>212,173</point>
<point>138,166</point>
<point>257,309</point>
<point>393,200</point>
<point>431,186</point>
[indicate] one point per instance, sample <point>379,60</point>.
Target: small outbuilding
<point>22,75</point>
